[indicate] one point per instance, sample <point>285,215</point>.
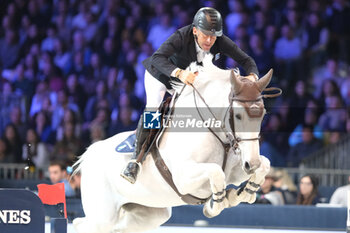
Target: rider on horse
<point>188,44</point>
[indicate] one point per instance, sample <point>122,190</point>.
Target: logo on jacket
<point>217,56</point>
<point>151,120</point>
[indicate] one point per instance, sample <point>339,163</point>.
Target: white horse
<point>195,159</point>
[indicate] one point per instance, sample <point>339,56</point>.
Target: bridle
<point>233,139</point>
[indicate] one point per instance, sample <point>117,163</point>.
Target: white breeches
<point>155,91</point>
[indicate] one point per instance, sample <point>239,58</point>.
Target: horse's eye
<point>238,116</point>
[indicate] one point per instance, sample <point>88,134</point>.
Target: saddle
<point>128,145</point>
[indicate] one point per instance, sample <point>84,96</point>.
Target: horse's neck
<point>214,87</point>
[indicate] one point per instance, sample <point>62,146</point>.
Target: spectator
<point>35,150</point>
<point>338,16</point>
<point>332,71</point>
<point>269,151</point>
<point>96,133</point>
<point>299,101</point>
<point>288,46</point>
<point>41,94</point>
<point>334,118</point>
<point>17,119</point>
<point>270,35</point>
<point>329,89</point>
<point>49,72</point>
<point>76,92</point>
<point>333,138</point>
<point>71,117</point>
<point>13,140</point>
<point>262,57</point>
<point>23,85</point>
<point>260,23</point>
<point>124,123</point>
<point>268,193</point>
<point>113,87</point>
<point>30,67</point>
<point>79,45</point>
<point>103,118</point>
<point>92,102</point>
<point>91,29</point>
<point>146,51</point>
<point>295,21</point>
<point>109,53</point>
<point>5,155</point>
<point>9,49</point>
<point>315,39</point>
<point>48,44</point>
<point>288,52</point>
<point>97,69</point>
<point>110,29</point>
<point>234,18</point>
<point>340,195</point>
<point>31,39</point>
<point>308,191</point>
<point>63,104</point>
<point>80,20</point>
<point>345,91</point>
<point>161,31</point>
<point>42,126</point>
<point>305,148</point>
<point>63,24</point>
<point>69,147</point>
<point>286,185</point>
<point>58,174</point>
<point>276,134</point>
<point>78,66</point>
<point>310,118</point>
<point>182,18</point>
<point>62,57</point>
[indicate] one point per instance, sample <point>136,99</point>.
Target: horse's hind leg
<point>100,205</point>
<point>138,218</point>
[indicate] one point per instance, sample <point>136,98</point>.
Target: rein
<point>226,146</point>
<point>233,139</point>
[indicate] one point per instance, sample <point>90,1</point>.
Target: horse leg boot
<point>132,169</point>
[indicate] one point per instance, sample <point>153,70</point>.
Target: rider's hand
<point>252,77</point>
<point>186,76</point>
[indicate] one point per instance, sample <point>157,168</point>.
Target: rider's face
<point>204,41</point>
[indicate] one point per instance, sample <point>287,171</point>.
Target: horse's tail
<point>77,165</point>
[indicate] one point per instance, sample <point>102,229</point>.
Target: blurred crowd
<point>279,188</point>
<point>71,71</point>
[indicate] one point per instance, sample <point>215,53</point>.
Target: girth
<point>167,176</point>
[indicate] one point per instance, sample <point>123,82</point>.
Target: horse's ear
<point>235,82</point>
<point>264,81</point>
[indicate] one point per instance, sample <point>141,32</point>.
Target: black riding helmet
<point>209,21</point>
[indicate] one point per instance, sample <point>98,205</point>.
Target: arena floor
<point>178,229</point>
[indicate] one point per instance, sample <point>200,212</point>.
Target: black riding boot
<point>132,169</point>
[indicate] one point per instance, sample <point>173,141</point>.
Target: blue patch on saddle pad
<point>128,145</point>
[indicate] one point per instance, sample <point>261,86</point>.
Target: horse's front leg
<point>247,193</point>
<point>192,176</point>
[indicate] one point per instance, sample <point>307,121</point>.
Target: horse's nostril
<point>247,166</point>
